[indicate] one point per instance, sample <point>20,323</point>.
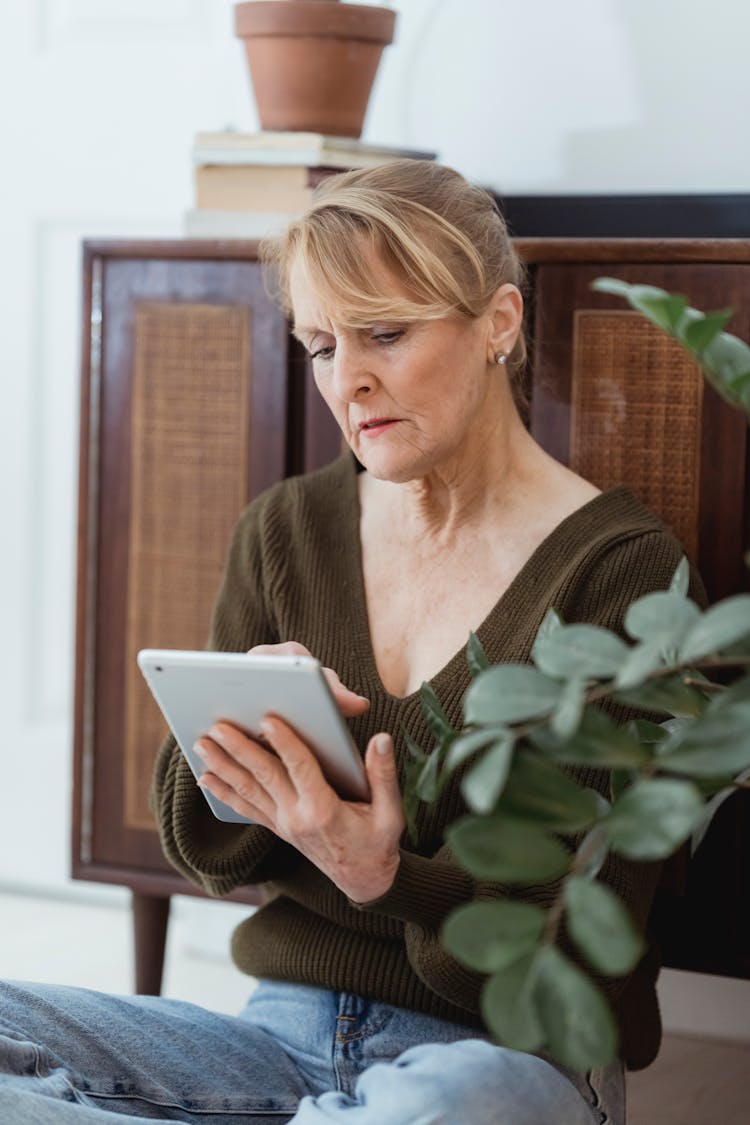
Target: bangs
<point>363,273</point>
<point>406,241</point>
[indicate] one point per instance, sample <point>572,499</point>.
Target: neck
<point>495,471</point>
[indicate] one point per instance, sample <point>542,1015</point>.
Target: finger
<point>243,762</point>
<point>302,766</point>
<point>382,774</point>
<point>229,796</point>
<point>350,704</point>
<point>286,648</point>
<point>234,779</point>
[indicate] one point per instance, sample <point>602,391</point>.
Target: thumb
<point>380,766</point>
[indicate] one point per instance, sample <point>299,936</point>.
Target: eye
<point>321,346</point>
<point>388,335</point>
<point>323,353</point>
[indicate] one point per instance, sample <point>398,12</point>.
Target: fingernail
<point>383,744</point>
<point>267,726</point>
<point>199,750</point>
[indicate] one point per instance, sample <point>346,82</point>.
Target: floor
<point>693,1082</point>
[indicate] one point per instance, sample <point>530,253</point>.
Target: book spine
<point>206,155</point>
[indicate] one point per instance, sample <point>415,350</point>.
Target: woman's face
<point>408,398</point>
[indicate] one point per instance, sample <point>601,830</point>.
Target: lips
<point>376,423</point>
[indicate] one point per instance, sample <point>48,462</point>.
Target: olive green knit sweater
<point>294,573</point>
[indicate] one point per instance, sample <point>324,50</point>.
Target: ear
<point>504,320</point>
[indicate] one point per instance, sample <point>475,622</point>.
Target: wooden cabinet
<point>195,398</point>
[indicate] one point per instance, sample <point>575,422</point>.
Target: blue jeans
<point>295,1054</point>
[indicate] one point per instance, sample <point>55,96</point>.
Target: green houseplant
<point>530,823</point>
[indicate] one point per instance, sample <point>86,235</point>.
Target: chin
<point>397,467</point>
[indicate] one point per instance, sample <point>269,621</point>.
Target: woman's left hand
<point>354,843</point>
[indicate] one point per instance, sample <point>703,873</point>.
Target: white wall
<point>585,96</point>
<point>99,100</point>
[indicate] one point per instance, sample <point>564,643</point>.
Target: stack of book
<point>248,185</point>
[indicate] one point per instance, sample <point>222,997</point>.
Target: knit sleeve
<point>216,855</point>
<point>427,889</point>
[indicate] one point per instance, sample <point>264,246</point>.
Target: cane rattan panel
<point>636,400</point>
<point>188,464</point>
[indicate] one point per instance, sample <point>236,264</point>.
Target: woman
<point>405,291</point>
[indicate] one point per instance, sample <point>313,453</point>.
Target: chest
<point>422,604</point>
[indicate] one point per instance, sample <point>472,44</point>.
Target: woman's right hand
<point>350,704</point>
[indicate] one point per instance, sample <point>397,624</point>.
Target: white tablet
<point>196,689</point>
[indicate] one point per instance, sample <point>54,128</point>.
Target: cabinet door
<point>619,401</point>
<point>184,419</point>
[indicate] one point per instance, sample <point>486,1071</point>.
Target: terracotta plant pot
<point>313,62</point>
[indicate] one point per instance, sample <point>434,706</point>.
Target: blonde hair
<point>440,238</point>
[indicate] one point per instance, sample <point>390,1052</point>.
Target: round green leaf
<point>737,692</point>
<point>488,936</point>
<point>652,818</point>
<point>643,659</point>
<point>668,694</point>
<point>485,781</point>
<point>470,742</point>
<point>710,761</point>
<point>727,357</point>
<point>701,332</point>
<point>647,733</point>
<point>601,927</point>
<point>475,656</point>
<point>664,309</point>
<point>506,851</point>
<point>427,779</point>
<point>722,625</point>
<point>592,851</point>
<point>551,621</point>
<point>716,744</point>
<point>508,1006</point>
<point>597,742</point>
<point>613,285</point>
<point>538,790</point>
<point>724,719</point>
<point>681,578</point>
<point>583,652</point>
<point>664,616</point>
<point>434,715</point>
<point>566,718</point>
<point>579,1029</point>
<point>510,693</point>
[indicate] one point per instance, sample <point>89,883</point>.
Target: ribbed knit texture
<point>295,573</point>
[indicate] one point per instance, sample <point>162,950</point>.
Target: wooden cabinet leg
<point>150,918</point>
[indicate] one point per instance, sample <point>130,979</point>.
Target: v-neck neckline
<point>552,550</point>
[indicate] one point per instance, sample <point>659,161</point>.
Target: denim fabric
<point>294,1054</point>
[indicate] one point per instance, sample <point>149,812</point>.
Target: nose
<point>352,377</point>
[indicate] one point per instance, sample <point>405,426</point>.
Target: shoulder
<point>275,552</point>
<point>296,503</point>
<point>625,552</point>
